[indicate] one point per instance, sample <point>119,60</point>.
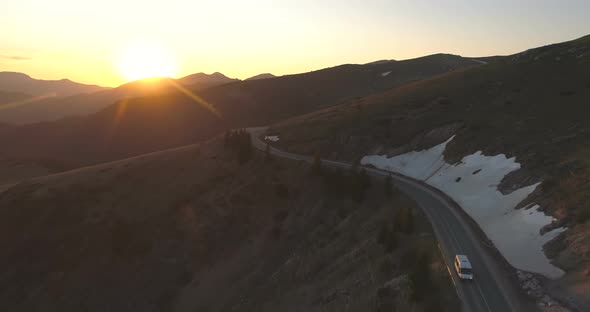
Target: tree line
<point>240,142</point>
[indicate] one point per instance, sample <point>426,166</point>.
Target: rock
<point>530,284</point>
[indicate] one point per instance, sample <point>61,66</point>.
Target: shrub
<point>282,191</point>
<point>351,185</point>
<point>387,237</point>
<point>281,215</point>
<point>267,155</point>
<point>421,277</point>
<point>240,141</point>
<point>316,167</point>
<point>404,220</point>
<point>388,185</point>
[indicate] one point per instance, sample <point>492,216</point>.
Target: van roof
<point>464,261</point>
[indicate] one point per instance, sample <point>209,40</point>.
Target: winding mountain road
<point>491,289</point>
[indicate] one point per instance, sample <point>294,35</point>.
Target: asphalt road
<point>491,289</point>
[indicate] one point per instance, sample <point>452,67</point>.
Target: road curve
<point>491,289</point>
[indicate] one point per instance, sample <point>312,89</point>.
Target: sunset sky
<point>95,41</point>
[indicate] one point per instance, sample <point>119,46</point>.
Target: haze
<point>82,40</point>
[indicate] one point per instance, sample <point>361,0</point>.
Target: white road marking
<point>482,296</point>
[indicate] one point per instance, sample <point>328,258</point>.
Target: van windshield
<point>466,271</point>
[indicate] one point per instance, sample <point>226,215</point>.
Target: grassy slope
<point>533,105</point>
<point>188,229</point>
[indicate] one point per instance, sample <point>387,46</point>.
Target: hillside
<point>156,122</point>
<point>51,109</point>
<point>190,229</point>
<point>205,81</point>
<point>9,98</point>
<point>22,83</point>
<point>530,106</point>
<point>259,102</point>
<point>262,76</point>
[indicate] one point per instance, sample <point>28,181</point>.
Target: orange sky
<point>86,41</point>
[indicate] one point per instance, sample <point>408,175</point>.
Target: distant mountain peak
<point>262,76</point>
<point>213,79</point>
<point>23,83</point>
<point>218,74</point>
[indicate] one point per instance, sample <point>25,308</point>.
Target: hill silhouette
<point>50,109</point>
<point>22,83</point>
<point>149,123</point>
<point>262,76</point>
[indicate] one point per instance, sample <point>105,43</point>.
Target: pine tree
<point>421,277</point>
<point>317,164</point>
<point>267,156</point>
<point>388,185</point>
<point>226,138</point>
<point>355,166</point>
<point>364,179</point>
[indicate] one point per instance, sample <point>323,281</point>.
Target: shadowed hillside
<point>155,122</point>
<point>192,230</point>
<point>532,106</point>
<point>53,108</point>
<point>262,76</point>
<point>21,83</point>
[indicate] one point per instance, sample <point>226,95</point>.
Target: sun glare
<point>145,60</point>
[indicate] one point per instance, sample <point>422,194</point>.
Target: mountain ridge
<point>23,83</point>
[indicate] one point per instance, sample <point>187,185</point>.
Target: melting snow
<point>479,61</point>
<point>515,232</point>
<point>272,138</point>
<point>385,73</point>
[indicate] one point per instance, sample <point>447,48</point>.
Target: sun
<point>146,60</point>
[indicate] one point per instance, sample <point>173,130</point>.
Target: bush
<point>404,220</point>
<point>281,215</point>
<point>240,141</point>
<point>388,185</point>
<point>316,167</point>
<point>267,155</point>
<point>583,214</point>
<point>421,280</point>
<point>282,191</point>
<point>386,267</point>
<point>351,185</point>
<point>387,237</point>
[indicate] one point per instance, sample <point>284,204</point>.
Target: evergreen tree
<point>267,156</point>
<point>404,220</point>
<point>355,166</point>
<point>226,138</point>
<point>388,185</point>
<point>364,179</point>
<point>317,164</point>
<point>421,278</point>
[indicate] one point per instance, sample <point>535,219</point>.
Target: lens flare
<point>146,60</point>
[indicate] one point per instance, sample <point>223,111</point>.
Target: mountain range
<point>17,108</point>
<point>158,115</point>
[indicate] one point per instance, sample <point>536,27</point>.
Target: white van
<point>463,267</point>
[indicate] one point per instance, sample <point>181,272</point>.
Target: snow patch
<point>385,73</point>
<point>515,232</point>
<point>272,138</point>
<point>479,61</point>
